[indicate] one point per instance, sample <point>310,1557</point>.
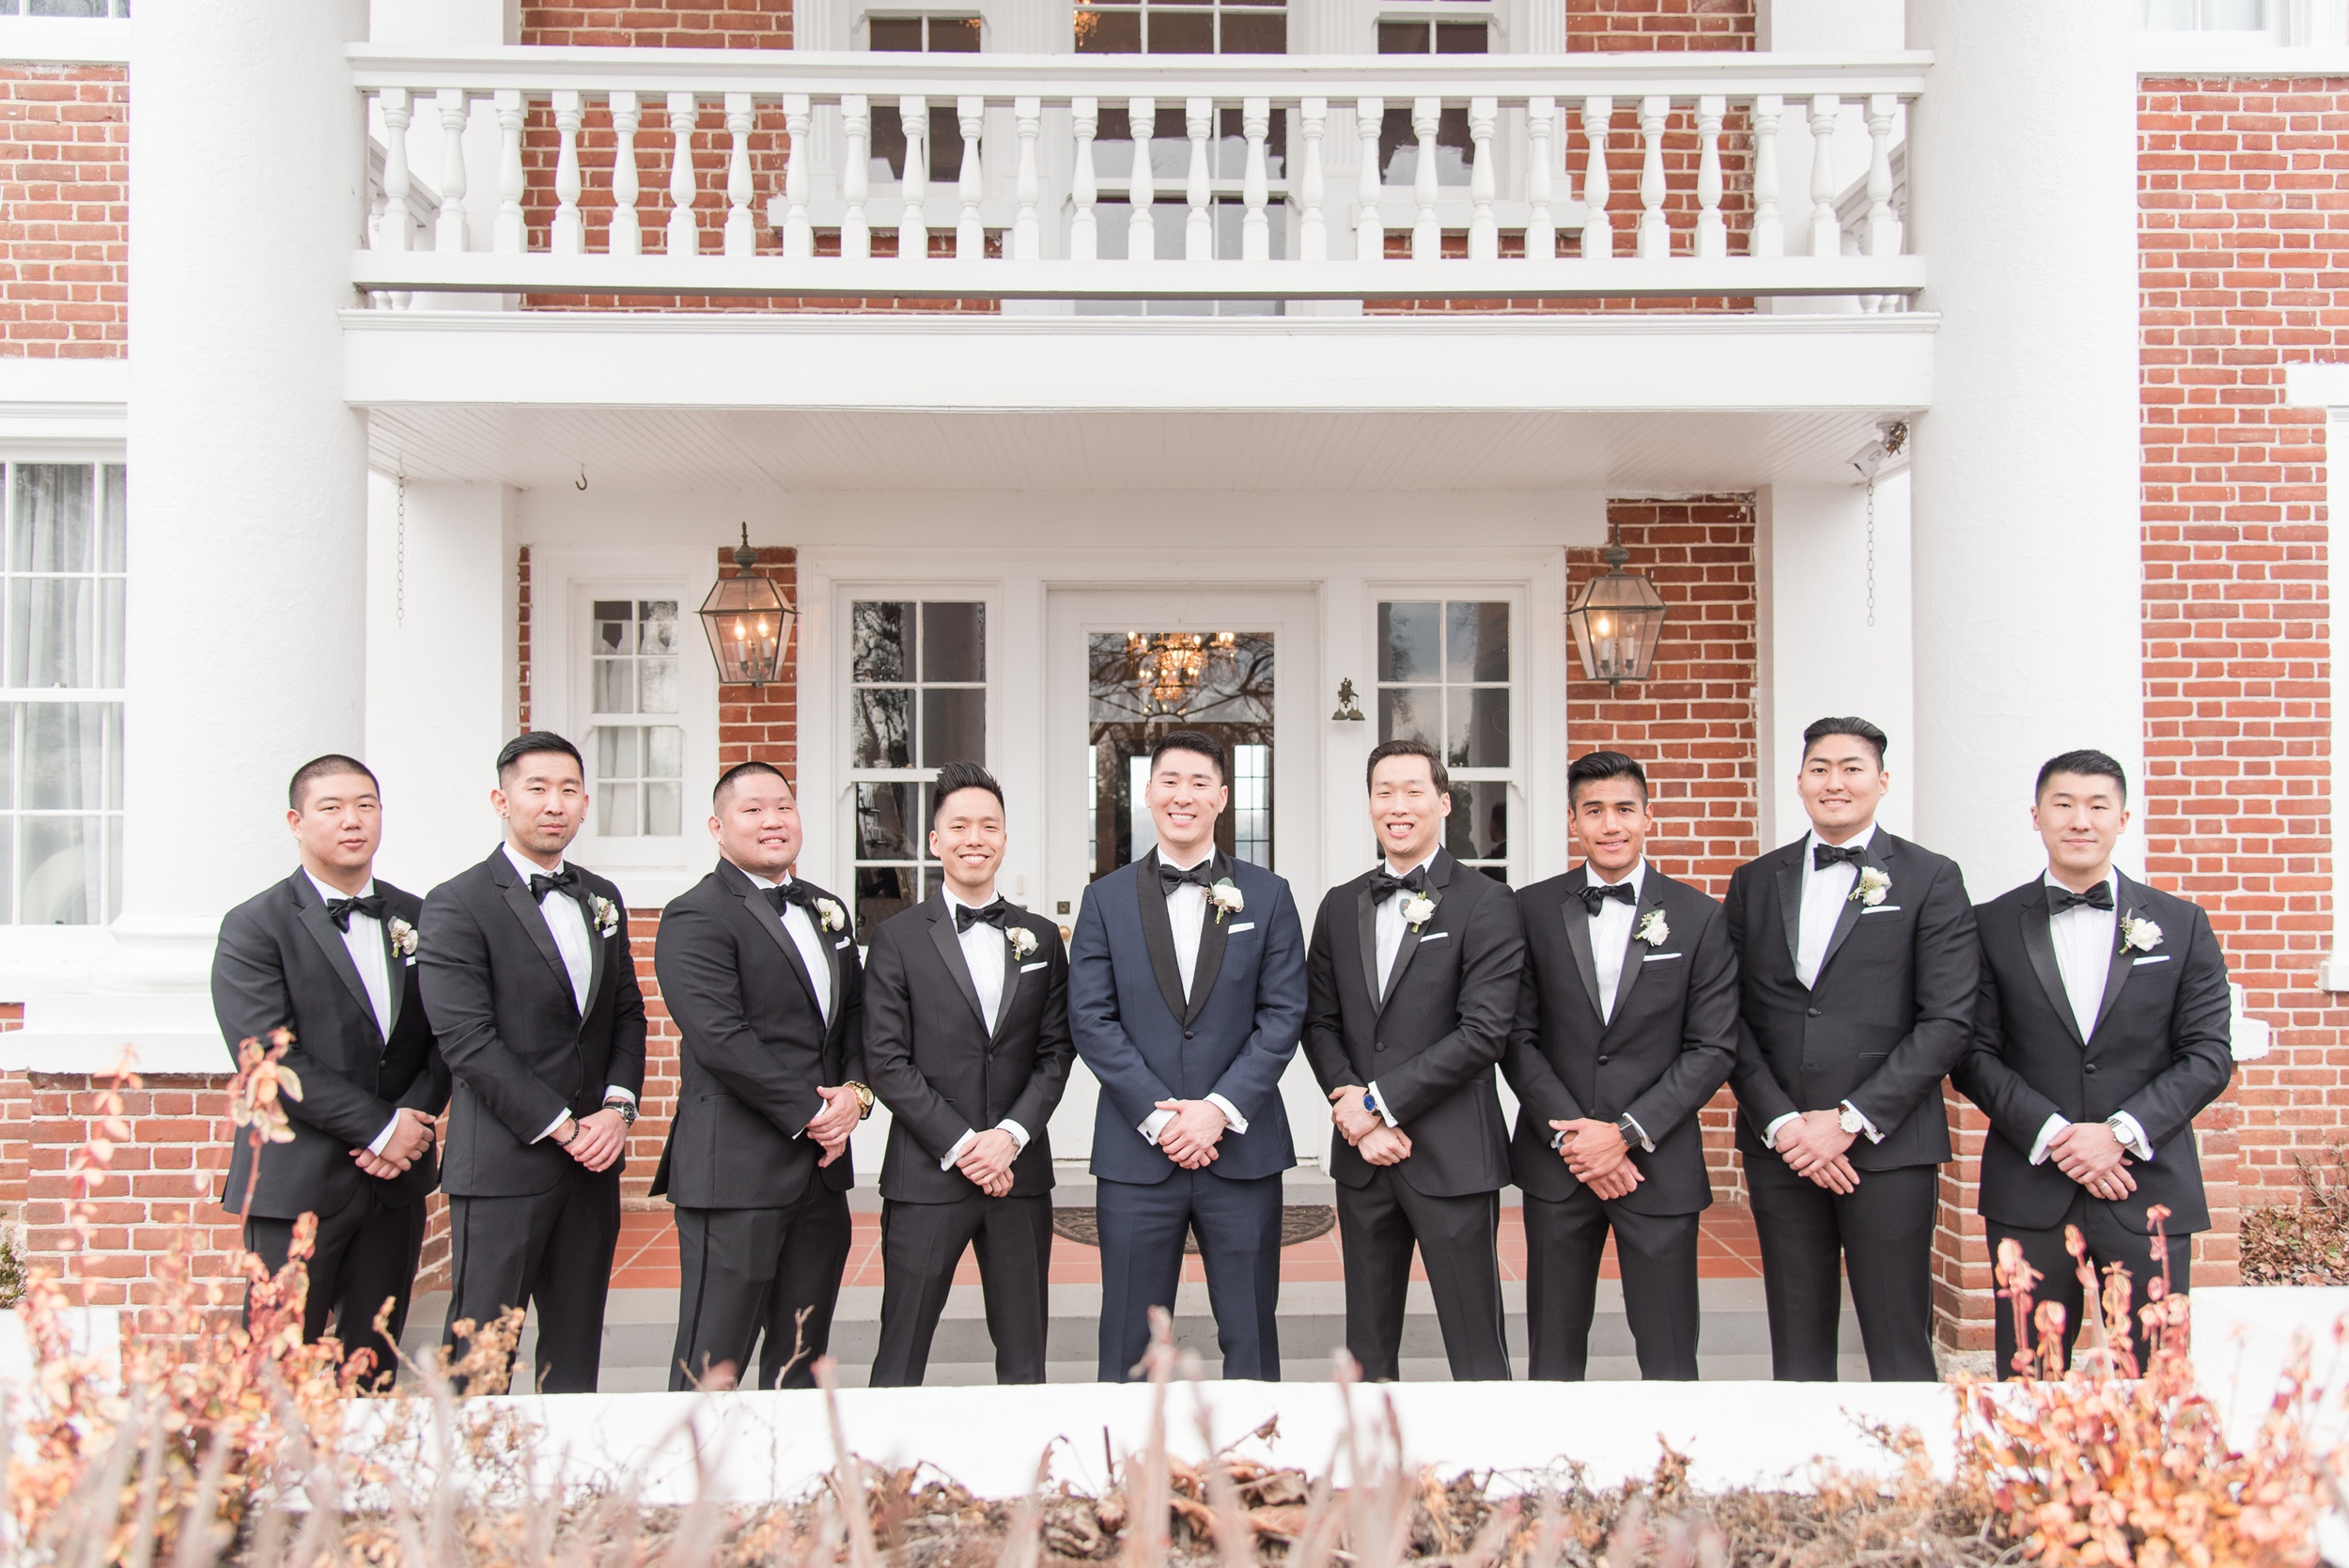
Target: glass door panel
<point>1142,684</point>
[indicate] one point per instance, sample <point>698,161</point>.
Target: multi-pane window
<point>1444,679</point>
<point>917,700</point>
<point>636,747</point>
<point>2205,16</point>
<point>1183,27</point>
<point>1398,139</point>
<point>65,8</point>
<point>919,35</point>
<point>61,714</point>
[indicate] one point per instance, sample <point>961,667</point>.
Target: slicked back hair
<point>534,743</point>
<point>1385,749</point>
<point>1193,740</point>
<point>327,767</point>
<point>2088,764</point>
<point>741,771</point>
<point>1857,728</point>
<point>1591,767</point>
<point>958,776</point>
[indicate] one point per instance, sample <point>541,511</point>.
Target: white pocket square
<point>1882,910</point>
<point>1243,925</point>
<point>410,961</point>
<point>1030,969</point>
<point>2156,958</point>
<point>1656,958</point>
<point>842,945</point>
<point>1433,937</point>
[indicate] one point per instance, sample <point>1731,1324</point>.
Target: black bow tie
<point>1202,875</point>
<point>1824,855</point>
<point>1385,884</point>
<point>2097,897</point>
<point>1596,895</point>
<point>993,914</point>
<point>339,910</point>
<point>565,880</point>
<point>793,892</point>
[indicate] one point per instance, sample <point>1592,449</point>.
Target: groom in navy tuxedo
<point>1186,998</point>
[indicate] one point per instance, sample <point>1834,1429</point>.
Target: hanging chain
<point>1871,549</point>
<point>399,612</point>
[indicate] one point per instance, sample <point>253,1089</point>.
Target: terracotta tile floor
<point>1727,1250</point>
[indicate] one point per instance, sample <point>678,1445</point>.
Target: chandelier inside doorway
<point>1167,668</point>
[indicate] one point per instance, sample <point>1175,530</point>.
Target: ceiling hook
<point>582,482</point>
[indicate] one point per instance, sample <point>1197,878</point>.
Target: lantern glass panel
<point>1617,623</point>
<point>749,623</point>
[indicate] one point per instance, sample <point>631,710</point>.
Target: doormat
<point>1299,1222</point>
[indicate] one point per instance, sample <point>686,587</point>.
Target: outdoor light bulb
<point>741,631</point>
<point>1602,626</point>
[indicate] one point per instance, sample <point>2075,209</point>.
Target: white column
<point>247,521</point>
<point>441,668</point>
<point>2023,162</point>
<point>1816,654</point>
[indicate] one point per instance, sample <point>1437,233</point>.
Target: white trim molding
<point>65,40</point>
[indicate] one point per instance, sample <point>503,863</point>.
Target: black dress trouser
<point>1881,1235</point>
<point>364,1253</point>
<point>1564,1242</point>
<point>550,1250</point>
<point>921,1246</point>
<point>765,1278</point>
<point>1377,1225</point>
<point>2109,1242</point>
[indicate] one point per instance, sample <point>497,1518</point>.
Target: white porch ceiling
<point>767,449</point>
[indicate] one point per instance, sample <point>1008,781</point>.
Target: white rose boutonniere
<point>403,938</point>
<point>2142,936</point>
<point>1225,896</point>
<point>1022,940</point>
<point>1417,910</point>
<point>1871,888</point>
<point>831,914</point>
<point>607,917</point>
<point>1655,930</point>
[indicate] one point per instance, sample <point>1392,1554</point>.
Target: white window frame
<point>2276,28</point>
<point>1518,597</point>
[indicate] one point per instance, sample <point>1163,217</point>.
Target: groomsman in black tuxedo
<point>1858,967</point>
<point>1185,995</point>
<point>2101,1031</point>
<point>966,1040</point>
<point>759,969</point>
<point>1626,1024</point>
<point>530,984</point>
<point>1413,979</point>
<point>330,955</point>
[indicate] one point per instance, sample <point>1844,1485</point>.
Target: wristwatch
<point>863,1099</point>
<point>626,1108</point>
<point>1851,1121</point>
<point>1370,1103</point>
<point>1629,1130</point>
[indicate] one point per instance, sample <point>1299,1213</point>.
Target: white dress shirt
<point>371,954</point>
<point>1824,895</point>
<point>1387,927</point>
<point>2085,940</point>
<point>809,942</point>
<point>1611,940</point>
<point>566,922</point>
<point>986,952</point>
<point>1187,916</point>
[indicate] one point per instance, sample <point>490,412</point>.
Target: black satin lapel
<point>1578,921</point>
<point>399,971</point>
<point>949,944</point>
<point>1212,936</point>
<point>762,915</point>
<point>1848,916</point>
<point>1634,952</point>
<point>2123,960</point>
<point>1157,934</point>
<point>1790,907</point>
<point>2039,941</point>
<point>534,921</point>
<point>1366,925</point>
<point>1011,986</point>
<point>596,960</point>
<point>315,921</point>
<point>1402,953</point>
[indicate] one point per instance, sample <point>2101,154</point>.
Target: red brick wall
<point>663,24</point>
<point>64,211</point>
<point>1627,27</point>
<point>1691,722</point>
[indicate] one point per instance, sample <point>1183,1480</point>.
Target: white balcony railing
<point>1092,177</point>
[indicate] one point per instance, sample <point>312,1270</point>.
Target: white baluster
<point>1541,228</point>
<point>856,123</point>
<point>627,237</point>
<point>914,233</point>
<point>1656,235</point>
<point>798,233</point>
<point>1827,229</point>
<point>569,236</point>
<point>1712,232</point>
<point>684,234</point>
<point>1598,230</point>
<point>1026,235</point>
<point>1483,237</point>
<point>1255,235</point>
<point>1312,229</point>
<point>1884,229</point>
<point>393,233</point>
<point>1426,233</point>
<point>448,226</point>
<point>742,226</point>
<point>970,236</point>
<point>1085,243</point>
<point>1199,227</point>
<point>1142,234</point>
<point>1769,231</point>
<point>509,236</point>
<point>1370,228</point>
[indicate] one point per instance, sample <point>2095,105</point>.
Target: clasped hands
<point>1190,1137</point>
<point>1365,1128</point>
<point>2090,1153</point>
<point>1813,1146</point>
<point>831,1126</point>
<point>987,1160</point>
<point>410,1139</point>
<point>1596,1152</point>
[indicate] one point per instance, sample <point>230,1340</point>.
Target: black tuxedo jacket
<point>932,1060</point>
<point>753,1047</point>
<point>2159,1050</point>
<point>1670,1044</point>
<point>1432,1041</point>
<point>282,964</point>
<point>520,1049</point>
<point>1892,1014</point>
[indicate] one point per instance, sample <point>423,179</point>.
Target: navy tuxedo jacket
<point>1147,1042</point>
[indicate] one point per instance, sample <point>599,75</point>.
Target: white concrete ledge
<point>65,40</point>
